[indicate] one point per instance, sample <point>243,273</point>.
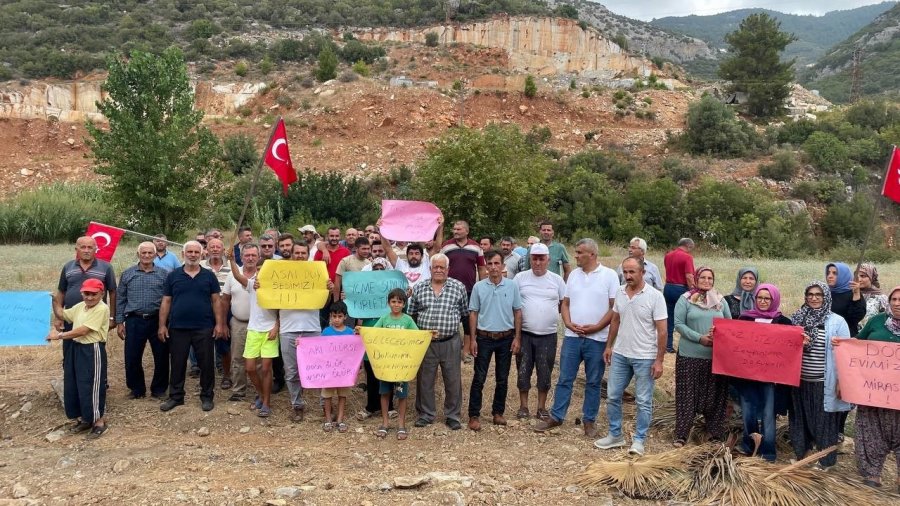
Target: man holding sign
<point>495,317</point>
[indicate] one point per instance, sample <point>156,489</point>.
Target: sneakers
<point>637,448</point>
<point>611,441</point>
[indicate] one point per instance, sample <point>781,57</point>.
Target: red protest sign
<point>757,351</point>
<point>869,372</point>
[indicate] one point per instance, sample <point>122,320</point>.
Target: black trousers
<point>138,331</point>
<point>84,380</point>
<point>180,342</point>
<point>502,350</point>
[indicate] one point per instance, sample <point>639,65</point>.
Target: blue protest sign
<point>24,318</point>
<point>366,292</point>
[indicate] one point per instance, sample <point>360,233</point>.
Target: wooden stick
<point>801,463</point>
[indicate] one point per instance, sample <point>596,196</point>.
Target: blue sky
<point>649,9</point>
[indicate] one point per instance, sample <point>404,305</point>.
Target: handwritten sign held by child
<point>329,361</point>
<point>757,351</point>
<point>366,292</point>
<point>395,354</point>
<point>24,318</point>
<point>869,372</point>
<point>287,284</point>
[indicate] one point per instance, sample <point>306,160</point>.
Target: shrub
<point>327,69</point>
<point>266,65</point>
<point>678,171</point>
<point>348,76</point>
<point>240,69</point>
<point>354,51</point>
<point>713,128</point>
<point>783,168</point>
<point>848,221</point>
<point>431,39</point>
<point>239,154</point>
<point>361,68</point>
<point>796,132</point>
<point>599,162</point>
<point>52,214</point>
<point>826,152</point>
<point>530,86</point>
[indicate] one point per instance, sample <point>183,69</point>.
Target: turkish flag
<point>107,239</point>
<point>891,188</point>
<point>278,157</point>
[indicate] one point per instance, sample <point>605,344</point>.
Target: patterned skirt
<point>877,435</point>
<point>699,391</point>
<point>811,427</point>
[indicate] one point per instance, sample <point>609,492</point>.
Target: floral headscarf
<point>810,318</point>
<point>707,299</point>
<point>874,287</point>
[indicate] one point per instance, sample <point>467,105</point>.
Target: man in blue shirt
<point>191,314</point>
<point>495,320</point>
<point>164,258</point>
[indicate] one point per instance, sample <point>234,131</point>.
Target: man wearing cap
<point>84,367</point>
<point>309,235</point>
<point>637,248</point>
<point>191,314</point>
<point>137,320</point>
<point>495,317</point>
<point>164,258</point>
<point>542,293</point>
<point>245,236</point>
<point>590,293</point>
<point>559,257</point>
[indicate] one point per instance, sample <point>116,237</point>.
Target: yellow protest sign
<point>292,284</point>
<point>395,354</point>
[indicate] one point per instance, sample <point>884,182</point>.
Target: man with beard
<point>191,313</point>
<point>378,251</point>
<point>352,263</point>
<point>510,257</point>
<point>164,258</point>
<point>416,267</point>
<point>310,236</point>
<point>330,252</point>
<point>285,246</point>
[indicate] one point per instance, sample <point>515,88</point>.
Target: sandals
<point>678,443</point>
<point>365,415</point>
<point>96,432</point>
<point>264,412</point>
<point>522,413</point>
<point>542,414</point>
<point>327,426</point>
<point>381,432</point>
<point>402,434</point>
<point>342,427</point>
<point>393,414</point>
<point>80,427</point>
<point>257,404</point>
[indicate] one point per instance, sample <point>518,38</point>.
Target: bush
<point>530,86</point>
<point>826,152</point>
<point>361,68</point>
<point>713,128</point>
<point>266,66</point>
<point>240,69</point>
<point>678,171</point>
<point>239,154</point>
<point>654,202</point>
<point>354,51</point>
<point>783,168</point>
<point>614,167</point>
<point>327,69</point>
<point>848,221</point>
<point>796,132</point>
<point>431,39</point>
<point>52,214</point>
<point>348,76</point>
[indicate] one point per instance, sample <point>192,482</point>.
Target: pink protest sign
<point>869,372</point>
<point>329,361</point>
<point>408,220</point>
<point>757,351</point>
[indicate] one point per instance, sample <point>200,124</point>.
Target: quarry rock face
<point>538,45</point>
<point>75,101</point>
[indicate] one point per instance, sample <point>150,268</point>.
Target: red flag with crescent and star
<point>106,237</point>
<point>891,188</point>
<point>278,157</point>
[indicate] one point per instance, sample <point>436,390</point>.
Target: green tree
<point>161,163</point>
<point>239,154</point>
<point>713,128</point>
<point>328,63</point>
<point>755,66</point>
<point>492,178</point>
<point>530,86</point>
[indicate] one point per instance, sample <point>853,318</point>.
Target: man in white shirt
<point>416,267</point>
<point>590,294</point>
<point>237,298</point>
<point>542,293</point>
<point>636,347</point>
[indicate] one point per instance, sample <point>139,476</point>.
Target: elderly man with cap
<point>84,368</point>
<point>637,249</point>
<point>137,319</point>
<point>542,293</point>
<point>191,314</point>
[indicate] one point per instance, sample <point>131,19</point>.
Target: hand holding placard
<point>869,372</point>
<point>24,318</point>
<point>395,354</point>
<point>287,284</point>
<point>329,361</point>
<point>408,220</point>
<point>758,351</point>
<point>366,291</point>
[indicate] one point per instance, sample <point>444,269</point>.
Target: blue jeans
<point>671,293</point>
<point>758,406</point>
<point>621,370</point>
<point>576,350</point>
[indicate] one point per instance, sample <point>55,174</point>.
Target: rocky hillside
<point>880,59</point>
<point>815,34</point>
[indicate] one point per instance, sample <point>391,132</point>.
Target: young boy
<point>337,318</point>
<point>84,369</point>
<point>396,319</point>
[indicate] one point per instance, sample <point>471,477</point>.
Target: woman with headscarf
<point>741,299</point>
<point>697,389</point>
<point>758,399</point>
<point>847,301</point>
<point>816,416</point>
<point>878,429</point>
<point>870,288</point>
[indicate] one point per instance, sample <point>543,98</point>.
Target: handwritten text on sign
<point>869,372</point>
<point>289,284</point>
<point>408,220</point>
<point>329,361</point>
<point>366,292</point>
<point>395,354</point>
<point>757,351</point>
<point>24,318</point>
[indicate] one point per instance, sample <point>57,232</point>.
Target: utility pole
<point>856,76</point>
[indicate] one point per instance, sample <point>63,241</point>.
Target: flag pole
<point>876,211</point>
<point>139,234</point>
<point>259,166</point>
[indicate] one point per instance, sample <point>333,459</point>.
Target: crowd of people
<point>509,302</point>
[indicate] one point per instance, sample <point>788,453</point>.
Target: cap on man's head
<point>307,228</point>
<point>539,249</point>
<point>92,285</point>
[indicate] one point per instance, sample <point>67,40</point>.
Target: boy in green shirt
<point>396,319</point>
